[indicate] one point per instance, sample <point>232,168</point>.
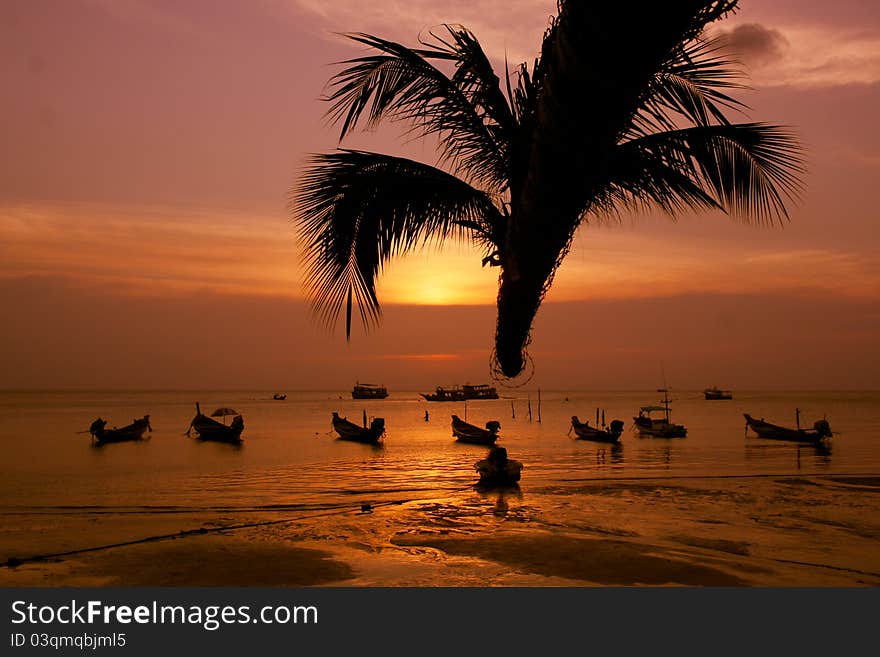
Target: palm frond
<point>644,179</point>
<point>356,210</point>
<point>692,85</point>
<point>468,110</point>
<point>598,64</point>
<point>474,74</point>
<point>748,169</point>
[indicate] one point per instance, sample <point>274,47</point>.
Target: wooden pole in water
<point>465,410</point>
<point>530,407</point>
<point>512,410</point>
<point>539,404</point>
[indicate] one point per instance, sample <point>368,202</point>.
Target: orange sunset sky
<point>149,147</point>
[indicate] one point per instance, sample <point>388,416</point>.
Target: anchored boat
<point>468,433</point>
<point>351,431</point>
<point>715,393</point>
<point>658,427</point>
<point>461,393</point>
<point>134,431</point>
<point>820,431</point>
<point>207,428</point>
<point>368,391</point>
<point>583,431</point>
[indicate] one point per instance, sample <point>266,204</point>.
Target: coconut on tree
<point>626,108</point>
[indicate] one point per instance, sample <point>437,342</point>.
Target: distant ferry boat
<point>369,391</point>
<point>462,393</point>
<point>716,393</point>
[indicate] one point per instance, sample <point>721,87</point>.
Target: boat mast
<point>665,391</point>
<point>665,401</point>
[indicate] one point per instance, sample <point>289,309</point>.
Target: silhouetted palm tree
<point>623,109</point>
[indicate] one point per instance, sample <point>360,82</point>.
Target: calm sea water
<point>290,458</point>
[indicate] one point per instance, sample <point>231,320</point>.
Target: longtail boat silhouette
<point>207,428</point>
<point>820,431</point>
<point>351,431</point>
<point>134,431</point>
<point>609,434</point>
<point>469,433</point>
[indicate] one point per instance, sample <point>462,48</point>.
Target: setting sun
<point>448,277</point>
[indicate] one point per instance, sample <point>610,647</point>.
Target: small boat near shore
<point>351,431</point>
<point>368,391</point>
<point>498,470</point>
<point>583,431</point>
<point>469,433</point>
<point>820,431</point>
<point>279,396</point>
<point>207,428</point>
<point>658,427</point>
<point>715,393</point>
<point>134,431</point>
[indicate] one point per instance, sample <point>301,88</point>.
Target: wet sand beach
<point>685,531</point>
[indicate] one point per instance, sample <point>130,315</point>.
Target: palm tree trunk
<point>529,263</point>
<point>518,302</point>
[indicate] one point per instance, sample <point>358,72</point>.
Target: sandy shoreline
<point>781,531</point>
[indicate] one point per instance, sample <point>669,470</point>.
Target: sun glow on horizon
<point>450,276</point>
<point>167,252</point>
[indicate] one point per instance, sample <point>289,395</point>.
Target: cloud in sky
<point>805,55</point>
<point>637,265</point>
<point>149,251</point>
<point>755,44</point>
<point>161,251</point>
